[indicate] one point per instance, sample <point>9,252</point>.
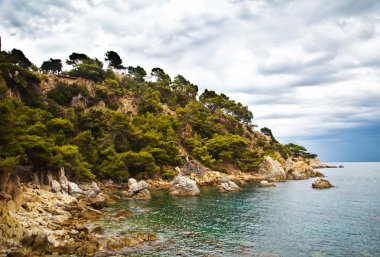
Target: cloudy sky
<point>309,70</point>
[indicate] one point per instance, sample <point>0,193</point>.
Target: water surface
<point>290,220</point>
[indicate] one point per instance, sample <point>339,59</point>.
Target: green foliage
<point>214,102</point>
<point>52,65</point>
<point>63,93</point>
<point>76,58</point>
<point>138,73</point>
<point>114,60</point>
<point>18,58</point>
<point>266,131</point>
<point>299,151</point>
<point>226,147</point>
<point>91,69</point>
<point>47,134</point>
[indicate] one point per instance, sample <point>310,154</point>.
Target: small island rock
<point>322,184</point>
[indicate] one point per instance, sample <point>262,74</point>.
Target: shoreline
<point>58,223</point>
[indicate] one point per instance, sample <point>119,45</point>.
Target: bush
<point>63,93</point>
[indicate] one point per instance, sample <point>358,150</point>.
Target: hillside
<point>99,123</point>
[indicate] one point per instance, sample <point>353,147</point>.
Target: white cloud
<point>306,68</point>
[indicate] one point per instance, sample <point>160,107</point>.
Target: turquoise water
<point>290,220</point>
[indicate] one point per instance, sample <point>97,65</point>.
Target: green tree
<point>91,69</point>
<point>76,58</point>
<point>114,60</point>
<point>138,73</point>
<point>52,65</point>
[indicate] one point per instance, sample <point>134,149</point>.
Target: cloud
<point>306,68</point>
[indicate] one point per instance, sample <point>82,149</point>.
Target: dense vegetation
<point>79,124</point>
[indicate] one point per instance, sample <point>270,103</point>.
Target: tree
<point>266,131</point>
<point>138,73</point>
<point>160,75</point>
<point>114,60</point>
<point>18,58</point>
<point>76,58</point>
<point>52,65</point>
<point>91,69</point>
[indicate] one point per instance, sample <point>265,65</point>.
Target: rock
<point>69,248</point>
<point>227,185</point>
<point>100,201</point>
<point>322,183</point>
<point>300,170</point>
<point>91,194</point>
<point>341,166</point>
<point>272,169</point>
<point>55,186</point>
<point>142,195</point>
<point>137,190</point>
<point>317,173</point>
<point>184,186</point>
<point>124,213</point>
<point>73,189</point>
<point>18,253</point>
<point>115,244</point>
<point>95,188</point>
<point>297,176</point>
<point>264,183</point>
<point>63,181</point>
<point>137,239</point>
<point>88,249</point>
<point>37,239</point>
<point>97,230</point>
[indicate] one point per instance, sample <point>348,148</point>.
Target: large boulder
<point>73,189</point>
<point>227,185</point>
<point>100,201</point>
<point>322,183</point>
<point>62,180</point>
<point>272,170</point>
<point>185,186</point>
<point>55,186</point>
<point>137,190</point>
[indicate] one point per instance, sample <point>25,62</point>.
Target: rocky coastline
<point>59,218</point>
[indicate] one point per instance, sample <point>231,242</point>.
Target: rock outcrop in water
<point>227,185</point>
<point>272,170</point>
<point>137,190</point>
<point>264,183</point>
<point>184,186</point>
<point>300,170</point>
<point>322,184</point>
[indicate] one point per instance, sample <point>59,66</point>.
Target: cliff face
<point>11,198</point>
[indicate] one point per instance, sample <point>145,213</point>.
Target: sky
<point>309,70</point>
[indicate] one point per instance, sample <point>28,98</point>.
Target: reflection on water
<point>289,220</point>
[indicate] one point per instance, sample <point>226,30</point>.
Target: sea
<point>289,220</point>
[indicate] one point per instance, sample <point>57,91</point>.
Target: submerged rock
<point>322,183</point>
<point>100,201</point>
<point>88,249</point>
<point>264,183</point>
<point>184,186</point>
<point>124,214</point>
<point>272,170</point>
